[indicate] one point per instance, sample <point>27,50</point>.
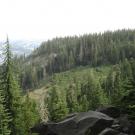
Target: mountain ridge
<point>20,47</point>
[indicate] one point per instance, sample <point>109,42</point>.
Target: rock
<point>126,126</point>
<point>132,127</point>
<point>124,123</point>
<point>116,127</point>
<point>109,131</point>
<point>84,123</point>
<point>89,123</point>
<point>111,111</point>
<point>116,121</point>
<point>122,134</point>
<point>42,129</point>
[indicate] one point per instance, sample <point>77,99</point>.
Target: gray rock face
<point>109,131</point>
<point>89,123</point>
<point>111,111</point>
<point>81,124</point>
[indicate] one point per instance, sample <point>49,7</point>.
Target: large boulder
<point>85,123</point>
<point>111,111</point>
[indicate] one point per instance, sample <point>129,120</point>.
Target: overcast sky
<point>45,19</point>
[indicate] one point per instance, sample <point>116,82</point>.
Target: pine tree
<point>84,104</point>
<point>114,85</point>
<point>4,117</point>
<point>110,84</point>
<point>17,116</point>
<point>118,88</point>
<point>128,99</point>
<point>72,99</point>
<point>103,99</point>
<point>129,85</point>
<point>126,70</point>
<point>91,93</point>
<point>30,114</point>
<point>57,105</point>
<point>11,93</point>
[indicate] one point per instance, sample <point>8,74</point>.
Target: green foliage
<point>118,90</point>
<point>81,89</point>
<point>126,69</point>
<point>76,90</point>
<point>30,115</point>
<point>114,86</point>
<point>13,110</point>
<point>128,100</point>
<point>57,105</point>
<point>11,93</point>
<point>120,86</point>
<point>84,104</point>
<point>71,95</point>
<point>88,88</point>
<point>4,117</point>
<point>62,54</point>
<point>94,94</point>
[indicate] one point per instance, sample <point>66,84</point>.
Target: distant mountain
<point>20,47</point>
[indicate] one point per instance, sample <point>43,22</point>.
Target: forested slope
<point>81,73</point>
<point>61,54</point>
<point>86,88</point>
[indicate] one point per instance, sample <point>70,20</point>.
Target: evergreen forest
<point>66,75</point>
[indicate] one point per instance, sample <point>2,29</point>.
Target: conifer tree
<point>126,70</point>
<point>57,105</point>
<point>16,115</point>
<point>84,104</point>
<point>114,85</point>
<point>11,93</point>
<point>30,114</point>
<point>92,92</point>
<point>72,99</point>
<point>4,117</point>
<point>118,89</point>
<point>128,99</point>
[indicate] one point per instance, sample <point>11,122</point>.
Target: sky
<point>46,19</point>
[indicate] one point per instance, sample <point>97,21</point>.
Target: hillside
<point>86,88</point>
<point>62,54</point>
<point>69,75</point>
<point>67,67</point>
<point>62,82</point>
<point>75,74</point>
<point>64,79</point>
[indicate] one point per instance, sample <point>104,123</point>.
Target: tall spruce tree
<point>4,117</point>
<point>92,92</point>
<point>30,114</point>
<point>72,99</point>
<point>126,69</point>
<point>57,105</point>
<point>84,104</point>
<point>13,107</point>
<point>118,89</point>
<point>128,100</point>
<point>12,94</point>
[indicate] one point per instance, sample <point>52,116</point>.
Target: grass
<point>63,79</point>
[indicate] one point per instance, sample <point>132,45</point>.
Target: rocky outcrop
<point>109,131</point>
<point>111,111</point>
<point>89,123</point>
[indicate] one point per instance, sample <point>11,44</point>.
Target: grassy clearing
<point>62,80</point>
